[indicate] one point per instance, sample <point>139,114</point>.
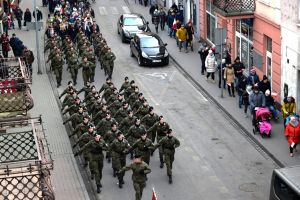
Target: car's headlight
<point>144,55</point>
<point>166,53</point>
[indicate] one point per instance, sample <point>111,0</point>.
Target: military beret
<point>119,133</point>
<point>150,108</point>
<point>126,78</point>
<point>91,125</point>
<point>131,82</point>
<point>169,131</point>
<point>140,94</point>
<point>137,155</point>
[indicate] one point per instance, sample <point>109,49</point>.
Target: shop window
<point>244,44</point>
<point>210,21</point>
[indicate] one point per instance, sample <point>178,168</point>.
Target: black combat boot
<point>98,189</point>
<point>92,176</point>
<point>170,179</point>
<point>120,184</point>
<point>161,163</point>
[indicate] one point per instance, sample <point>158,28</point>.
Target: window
<point>210,21</point>
<point>244,36</point>
<point>269,44</point>
<point>283,191</point>
<point>269,58</point>
<point>133,21</point>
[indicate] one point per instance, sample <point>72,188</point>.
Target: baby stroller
<point>262,125</point>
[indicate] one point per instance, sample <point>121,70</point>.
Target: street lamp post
<point>37,39</point>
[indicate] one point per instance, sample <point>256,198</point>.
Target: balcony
<point>234,7</point>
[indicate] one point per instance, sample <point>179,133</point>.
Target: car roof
<point>146,34</point>
<point>132,15</point>
<point>291,175</point>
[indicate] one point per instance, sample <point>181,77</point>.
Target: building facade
<point>253,33</point>
<point>290,32</point>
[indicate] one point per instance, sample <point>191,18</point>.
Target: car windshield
<point>150,42</point>
<point>133,21</point>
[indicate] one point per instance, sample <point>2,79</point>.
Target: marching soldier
<point>128,91</point>
<point>85,138</point>
<point>116,105</point>
<point>134,133</point>
<point>148,121</point>
<point>73,67</point>
<point>109,137</point>
<point>57,65</point>
<point>122,112</point>
<point>82,127</point>
<point>160,129</point>
<point>86,89</point>
<point>139,171</point>
<point>69,87</point>
<point>112,95</point>
<point>87,68</point>
<point>108,61</point>
<point>105,85</point>
<point>101,114</point>
<point>138,103</point>
<point>143,147</point>
<point>76,118</point>
<point>105,124</point>
<point>142,110</point>
<point>73,108</point>
<point>169,143</point>
<point>125,85</point>
<point>118,148</point>
<point>127,122</point>
<point>96,148</point>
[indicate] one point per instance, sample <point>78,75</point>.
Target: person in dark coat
<point>162,18</point>
<point>239,68</point>
<point>39,14</point>
<point>170,20</point>
<point>264,85</point>
<point>16,45</point>
<point>5,45</point>
<point>241,88</point>
<point>27,16</point>
<point>203,51</point>
<point>253,79</point>
<point>19,15</point>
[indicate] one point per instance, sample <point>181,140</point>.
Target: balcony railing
<point>234,7</point>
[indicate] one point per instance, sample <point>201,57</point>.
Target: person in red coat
<point>5,44</point>
<point>292,134</point>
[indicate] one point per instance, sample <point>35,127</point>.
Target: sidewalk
<point>66,178</point>
<point>190,64</point>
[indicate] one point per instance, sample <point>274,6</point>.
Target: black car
<point>130,24</point>
<point>149,49</point>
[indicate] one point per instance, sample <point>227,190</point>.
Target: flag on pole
<point>154,197</point>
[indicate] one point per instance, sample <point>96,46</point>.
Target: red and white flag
<point>154,197</point>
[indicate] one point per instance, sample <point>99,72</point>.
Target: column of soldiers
<point>78,52</point>
<point>111,123</point>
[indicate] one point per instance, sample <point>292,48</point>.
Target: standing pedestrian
<point>264,84</point>
<point>270,104</point>
<point>109,59</point>
<point>253,78</point>
<point>39,14</point>
<point>162,19</point>
<point>139,171</point>
<point>229,77</point>
<point>27,17</point>
<point>170,22</point>
<point>256,100</point>
<point>210,65</point>
<point>156,18</point>
<point>203,51</point>
<point>288,108</point>
<point>190,31</point>
<point>182,37</point>
<point>239,68</point>
<point>292,134</point>
<point>29,59</point>
<point>5,44</point>
<point>169,143</point>
<point>19,15</point>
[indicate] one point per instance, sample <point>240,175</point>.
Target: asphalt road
<point>214,160</point>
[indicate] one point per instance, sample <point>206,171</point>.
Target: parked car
<point>130,24</point>
<point>149,49</point>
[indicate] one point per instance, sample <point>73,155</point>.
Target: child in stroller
<point>262,125</point>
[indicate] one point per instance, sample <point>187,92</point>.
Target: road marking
<point>125,9</point>
<point>114,10</point>
<point>146,89</point>
<point>102,10</point>
<point>196,158</point>
<point>158,75</point>
<point>202,97</point>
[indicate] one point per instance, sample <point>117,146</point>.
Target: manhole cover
<point>248,187</point>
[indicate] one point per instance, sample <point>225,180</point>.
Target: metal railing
<point>25,162</point>
<point>234,7</point>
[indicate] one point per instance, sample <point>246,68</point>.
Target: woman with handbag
<point>5,45</point>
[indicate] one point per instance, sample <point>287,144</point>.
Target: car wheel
<point>139,60</point>
<point>131,53</point>
<point>167,62</point>
<point>123,39</point>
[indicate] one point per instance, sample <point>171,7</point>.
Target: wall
<point>290,49</point>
